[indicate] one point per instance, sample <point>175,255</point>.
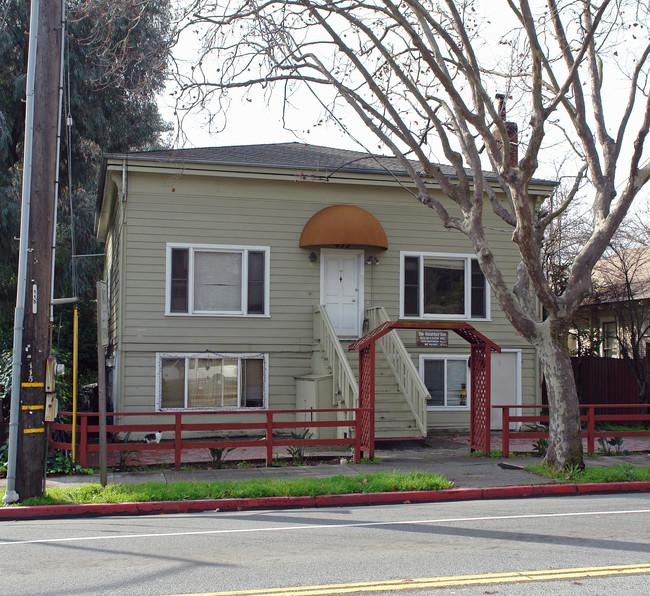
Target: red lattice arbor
<point>480,366</point>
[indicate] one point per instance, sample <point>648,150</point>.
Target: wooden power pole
<point>32,440</point>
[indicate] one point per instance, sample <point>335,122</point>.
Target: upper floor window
<point>440,286</point>
<point>217,280</point>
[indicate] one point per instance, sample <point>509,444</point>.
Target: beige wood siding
<point>112,276</point>
<point>240,211</point>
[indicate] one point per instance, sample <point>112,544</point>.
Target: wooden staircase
<point>393,416</point>
<point>336,371</point>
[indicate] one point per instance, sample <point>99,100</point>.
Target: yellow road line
<point>441,582</point>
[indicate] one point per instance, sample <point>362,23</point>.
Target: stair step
<point>393,416</point>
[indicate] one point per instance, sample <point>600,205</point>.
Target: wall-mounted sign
<point>432,338</point>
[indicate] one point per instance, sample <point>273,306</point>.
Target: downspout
<point>118,379</point>
<point>11,496</point>
<point>123,181</point>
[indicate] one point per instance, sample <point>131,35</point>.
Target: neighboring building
<point>616,315</point>
<point>236,274</point>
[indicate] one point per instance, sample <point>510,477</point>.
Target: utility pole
<point>32,439</point>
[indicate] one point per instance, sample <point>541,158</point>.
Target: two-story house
<point>238,275</point>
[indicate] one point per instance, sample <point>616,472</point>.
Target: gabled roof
<point>312,160</point>
<point>621,277</point>
<point>294,156</point>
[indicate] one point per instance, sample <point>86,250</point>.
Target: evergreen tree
<point>116,57</point>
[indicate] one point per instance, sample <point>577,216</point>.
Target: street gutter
<point>19,512</point>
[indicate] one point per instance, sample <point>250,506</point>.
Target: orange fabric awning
<point>343,225</point>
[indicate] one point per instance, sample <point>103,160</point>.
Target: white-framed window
<point>447,379</point>
<point>442,286</point>
<point>209,279</point>
<point>211,381</point>
<point>610,341</point>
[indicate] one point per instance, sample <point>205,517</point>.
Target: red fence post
<point>590,430</point>
<point>505,432</point>
<point>83,443</point>
<point>178,445</point>
<point>488,397</point>
<point>269,438</point>
<point>371,402</point>
<point>357,436</point>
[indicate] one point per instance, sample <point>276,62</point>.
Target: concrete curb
<point>454,494</point>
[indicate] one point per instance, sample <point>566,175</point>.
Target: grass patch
<point>370,460</point>
<point>495,453</point>
<point>616,427</point>
<point>263,487</point>
<point>618,473</point>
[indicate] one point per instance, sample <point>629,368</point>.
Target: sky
<point>251,119</point>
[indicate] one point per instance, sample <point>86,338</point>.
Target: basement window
<point>211,381</point>
<point>448,381</point>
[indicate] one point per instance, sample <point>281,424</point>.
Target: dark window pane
<point>173,383</point>
<point>434,379</point>
<point>252,383</point>
<point>179,283</point>
<point>478,292</point>
<point>412,286</point>
<point>444,286</point>
<point>255,283</point>
<point>255,266</point>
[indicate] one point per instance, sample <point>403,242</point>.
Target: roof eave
<point>538,186</point>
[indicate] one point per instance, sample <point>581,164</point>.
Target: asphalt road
<point>406,549</point>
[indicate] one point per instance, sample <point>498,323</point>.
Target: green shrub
<point>297,452</point>
<point>540,447</point>
<point>58,462</point>
<point>217,454</point>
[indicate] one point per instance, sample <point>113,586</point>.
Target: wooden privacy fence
<point>588,418</point>
<point>603,381</point>
<point>268,425</point>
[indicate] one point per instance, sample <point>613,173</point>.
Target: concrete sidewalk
<point>473,477</point>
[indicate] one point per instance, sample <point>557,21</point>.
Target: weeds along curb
<point>454,494</point>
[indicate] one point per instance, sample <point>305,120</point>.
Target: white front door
<point>342,290</point>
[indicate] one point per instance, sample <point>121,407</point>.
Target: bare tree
<point>126,42</point>
<point>421,75</point>
<point>622,285</point>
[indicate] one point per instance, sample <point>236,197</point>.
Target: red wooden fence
<point>589,417</point>
<point>267,426</point>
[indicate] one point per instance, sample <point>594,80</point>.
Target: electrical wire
<point>68,130</point>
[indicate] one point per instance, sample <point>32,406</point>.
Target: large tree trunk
<point>565,436</point>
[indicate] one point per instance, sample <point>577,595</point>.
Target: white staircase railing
<point>406,375</point>
<point>344,384</point>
